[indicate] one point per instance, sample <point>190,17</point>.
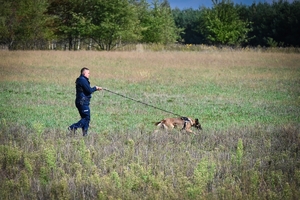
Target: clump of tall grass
<point>253,163</point>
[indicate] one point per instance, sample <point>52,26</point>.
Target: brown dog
<point>185,123</point>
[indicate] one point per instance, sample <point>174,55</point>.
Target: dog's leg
<point>165,127</point>
<point>162,126</point>
<point>184,125</point>
<point>190,131</point>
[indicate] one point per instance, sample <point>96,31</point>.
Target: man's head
<point>85,72</point>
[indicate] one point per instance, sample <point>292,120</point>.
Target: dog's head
<point>197,124</point>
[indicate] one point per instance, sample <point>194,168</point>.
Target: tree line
<point>109,24</point>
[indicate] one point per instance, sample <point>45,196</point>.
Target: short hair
<point>83,69</point>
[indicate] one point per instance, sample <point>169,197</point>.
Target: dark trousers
<point>85,114</point>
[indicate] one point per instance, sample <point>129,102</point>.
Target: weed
<point>38,128</point>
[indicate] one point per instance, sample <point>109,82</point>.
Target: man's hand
<point>98,88</point>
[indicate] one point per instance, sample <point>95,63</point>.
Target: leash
<point>140,102</point>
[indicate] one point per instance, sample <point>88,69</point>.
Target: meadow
<point>248,104</point>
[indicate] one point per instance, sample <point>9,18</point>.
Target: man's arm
<point>86,87</point>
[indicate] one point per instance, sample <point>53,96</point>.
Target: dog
<point>185,123</point>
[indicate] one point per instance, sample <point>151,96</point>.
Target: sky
<point>195,4</point>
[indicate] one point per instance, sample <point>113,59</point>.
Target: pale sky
<point>195,4</point>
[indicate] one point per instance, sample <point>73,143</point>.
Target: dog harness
<point>186,120</point>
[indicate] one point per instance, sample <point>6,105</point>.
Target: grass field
<point>247,102</point>
<point>222,89</point>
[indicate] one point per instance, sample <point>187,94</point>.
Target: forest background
<point>111,24</point>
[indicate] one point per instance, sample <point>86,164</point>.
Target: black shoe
<point>72,130</point>
<point>84,132</point>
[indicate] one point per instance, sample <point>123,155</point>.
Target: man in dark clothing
<point>83,96</point>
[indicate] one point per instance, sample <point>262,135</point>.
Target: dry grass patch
<point>137,66</point>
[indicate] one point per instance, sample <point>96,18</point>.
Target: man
<point>83,96</point>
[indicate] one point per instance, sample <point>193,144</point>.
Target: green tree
<point>188,21</point>
<point>70,21</point>
<point>23,23</point>
<point>275,24</point>
<point>113,22</point>
<point>221,24</point>
<point>293,38</point>
<point>158,26</point>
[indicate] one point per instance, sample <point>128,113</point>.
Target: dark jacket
<point>83,89</point>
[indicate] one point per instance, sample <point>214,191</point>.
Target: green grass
<point>217,103</point>
<point>247,102</point>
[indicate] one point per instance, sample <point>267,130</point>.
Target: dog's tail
<point>157,123</point>
<point>160,122</point>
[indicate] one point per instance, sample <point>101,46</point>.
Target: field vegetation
<point>247,102</point>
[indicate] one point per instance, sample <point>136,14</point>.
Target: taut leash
<point>140,102</point>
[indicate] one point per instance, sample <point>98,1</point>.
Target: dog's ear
<point>197,124</point>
